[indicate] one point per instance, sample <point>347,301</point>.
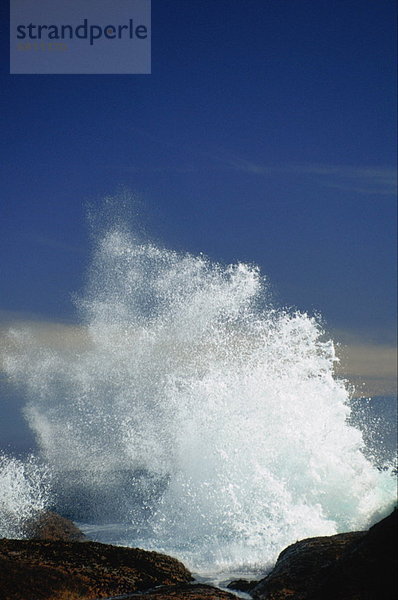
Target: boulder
<point>242,585</point>
<point>299,566</point>
<point>51,526</point>
<point>368,568</point>
<point>348,566</point>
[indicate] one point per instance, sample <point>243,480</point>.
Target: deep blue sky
<point>265,133</point>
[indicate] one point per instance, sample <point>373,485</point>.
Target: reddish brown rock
<point>368,569</point>
<point>51,526</point>
<point>44,570</point>
<point>187,592</point>
<point>348,566</point>
<point>296,567</point>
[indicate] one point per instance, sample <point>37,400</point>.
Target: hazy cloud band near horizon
<point>370,367</point>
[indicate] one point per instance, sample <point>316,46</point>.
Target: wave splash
<point>192,411</point>
<point>25,487</point>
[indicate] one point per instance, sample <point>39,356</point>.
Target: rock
<point>299,564</point>
<point>348,566</point>
<point>368,568</point>
<point>187,592</point>
<point>50,526</point>
<point>56,570</point>
<point>242,585</point>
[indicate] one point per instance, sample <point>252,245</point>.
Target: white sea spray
<point>25,492</point>
<point>208,421</point>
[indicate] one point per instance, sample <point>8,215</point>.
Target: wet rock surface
<point>301,563</point>
<point>242,585</point>
<point>51,526</point>
<point>368,568</point>
<point>34,569</point>
<point>348,566</point>
<point>187,592</point>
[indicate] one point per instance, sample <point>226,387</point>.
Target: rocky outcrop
<point>187,592</point>
<point>43,567</point>
<point>50,526</point>
<point>55,569</point>
<point>299,566</point>
<point>368,568</point>
<point>348,566</point>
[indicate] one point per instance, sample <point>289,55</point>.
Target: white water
<point>203,421</point>
<point>25,488</point>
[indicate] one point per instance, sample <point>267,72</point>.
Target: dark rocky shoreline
<point>57,563</point>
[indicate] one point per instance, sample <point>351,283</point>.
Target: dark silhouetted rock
<point>348,566</point>
<point>33,569</point>
<point>367,569</point>
<point>299,564</point>
<point>187,592</point>
<point>242,585</point>
<point>50,526</point>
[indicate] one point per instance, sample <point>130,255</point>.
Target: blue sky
<point>265,133</point>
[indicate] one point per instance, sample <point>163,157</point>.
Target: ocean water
<point>189,415</point>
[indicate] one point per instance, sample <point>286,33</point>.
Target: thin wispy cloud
<point>363,180</point>
<point>153,169</point>
<point>381,181</point>
<point>369,180</point>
